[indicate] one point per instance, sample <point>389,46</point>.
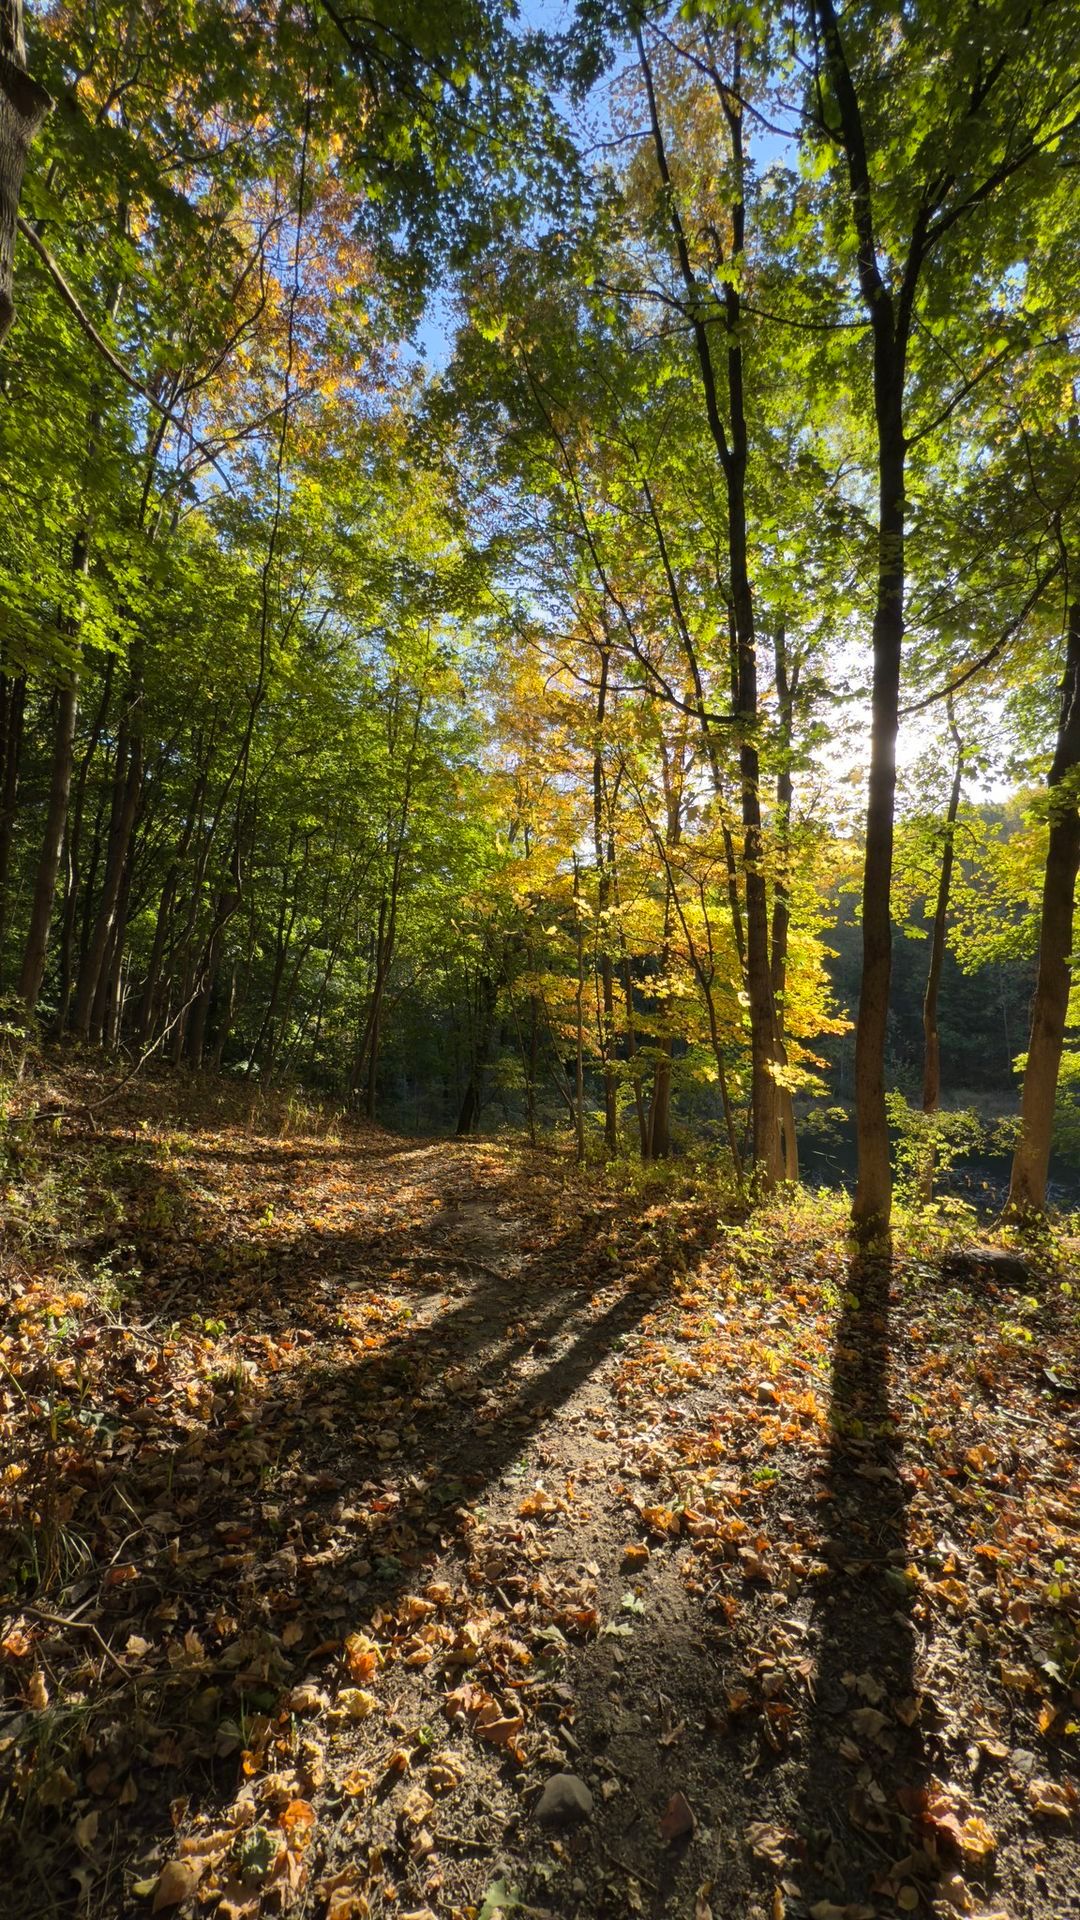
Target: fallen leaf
<point>869,1722</point>
<point>977,1839</point>
<point>85,1830</point>
<point>358,1781</point>
<point>363,1656</point>
<point>1051,1799</point>
<point>176,1882</point>
<point>498,1727</point>
<point>297,1822</point>
<point>539,1501</point>
<point>768,1842</point>
<point>677,1819</point>
<point>354,1703</point>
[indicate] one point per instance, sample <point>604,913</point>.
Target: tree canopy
<point>508,524</point>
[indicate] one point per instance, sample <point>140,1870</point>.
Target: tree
<point>23,106</point>
<point>1027,1187</point>
<point>1012,98</point>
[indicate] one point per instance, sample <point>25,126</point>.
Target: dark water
<point>981,1178</point>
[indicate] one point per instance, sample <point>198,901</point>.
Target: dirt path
<point>397,1479</point>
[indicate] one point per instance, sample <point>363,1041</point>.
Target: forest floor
<point>352,1488</point>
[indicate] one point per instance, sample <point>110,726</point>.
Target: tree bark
<point>23,106</point>
<point>603,906</point>
<point>12,706</point>
<point>72,850</point>
<point>732,447</point>
<point>1031,1161</point>
<point>931,1090</point>
<point>890,320</point>
<point>487,1001</point>
<point>786,688</point>
<point>37,939</point>
<point>579,1022</point>
<point>873,1192</point>
<point>127,792</point>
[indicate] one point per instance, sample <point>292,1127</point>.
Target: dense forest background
<point>548,729</point>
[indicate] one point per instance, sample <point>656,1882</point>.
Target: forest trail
<point>378,1482</point>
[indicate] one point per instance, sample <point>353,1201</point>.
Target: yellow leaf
<point>354,1703</point>
<point>976,1838</point>
<point>1051,1800</point>
<point>175,1882</point>
<point>357,1781</point>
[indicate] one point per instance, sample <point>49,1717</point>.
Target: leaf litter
<point>356,1488</point>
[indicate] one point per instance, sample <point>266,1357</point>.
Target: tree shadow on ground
<point>226,1511</point>
<point>781,1712</point>
<point>864,1763</point>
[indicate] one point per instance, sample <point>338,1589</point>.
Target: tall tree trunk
<point>1031,1161</point>
<point>487,1002</point>
<point>12,707</point>
<point>37,939</point>
<point>127,792</point>
<point>72,851</point>
<point>144,1024</point>
<point>603,931</point>
<point>33,969</point>
<point>931,1088</point>
<point>631,1023</point>
<point>579,1020</point>
<point>890,320</point>
<point>228,1014</point>
<point>23,106</point>
<point>873,1192</point>
<point>786,688</point>
<point>732,447</point>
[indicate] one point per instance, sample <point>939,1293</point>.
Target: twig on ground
<point>73,1625</point>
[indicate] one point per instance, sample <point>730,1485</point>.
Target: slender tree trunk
<point>108,1000</point>
<point>72,852</point>
<point>603,934</point>
<point>786,686</point>
<point>931,1088</point>
<point>732,447</point>
<point>579,1015</point>
<point>23,106</point>
<point>33,969</point>
<point>1031,1161</point>
<point>873,1192</point>
<point>127,793</point>
<point>890,320</point>
<point>201,1009</point>
<point>148,999</point>
<point>37,939</point>
<point>228,1014</point>
<point>12,707</point>
<point>631,1024</point>
<point>487,1001</point>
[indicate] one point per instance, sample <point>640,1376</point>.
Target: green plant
<point>928,1145</point>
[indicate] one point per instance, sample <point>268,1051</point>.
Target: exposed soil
<point>392,1479</point>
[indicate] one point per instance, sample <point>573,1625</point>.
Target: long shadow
<point>864,1763</point>
<point>316,1498</point>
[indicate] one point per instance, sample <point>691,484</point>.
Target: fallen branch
<point>75,1626</point>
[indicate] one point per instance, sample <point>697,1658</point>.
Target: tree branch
<point>73,303</point>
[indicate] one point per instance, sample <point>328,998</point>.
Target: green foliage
<point>928,1145</point>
